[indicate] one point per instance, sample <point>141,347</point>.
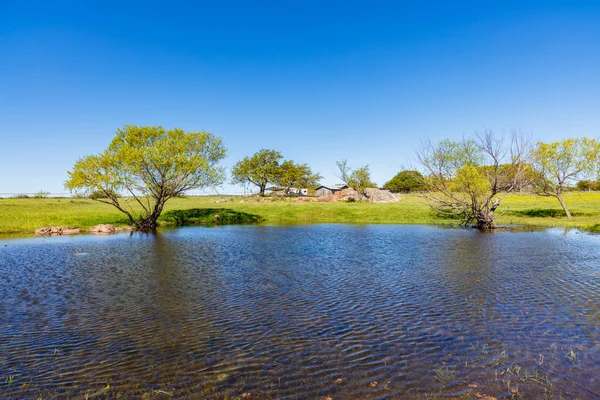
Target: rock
<point>371,195</point>
<point>110,228</point>
<point>105,228</point>
<point>380,196</point>
<point>56,231</point>
<point>347,195</point>
<point>221,200</point>
<point>45,231</point>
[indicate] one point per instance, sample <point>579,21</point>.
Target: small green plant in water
<point>444,375</point>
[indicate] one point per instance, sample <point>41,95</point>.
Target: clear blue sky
<point>316,80</point>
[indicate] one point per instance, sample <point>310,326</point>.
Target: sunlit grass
<point>26,215</point>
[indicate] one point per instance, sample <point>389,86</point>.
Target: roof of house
<point>333,187</point>
<point>276,188</point>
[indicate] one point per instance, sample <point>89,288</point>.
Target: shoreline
<point>168,227</point>
<point>22,217</point>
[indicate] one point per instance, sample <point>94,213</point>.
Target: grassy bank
<point>26,215</point>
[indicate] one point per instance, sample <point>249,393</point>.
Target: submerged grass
<point>26,215</point>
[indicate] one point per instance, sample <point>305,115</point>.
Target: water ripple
<point>326,311</point>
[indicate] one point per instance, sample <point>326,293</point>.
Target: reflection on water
<point>301,312</point>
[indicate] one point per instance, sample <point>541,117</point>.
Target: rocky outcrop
<point>67,230</point>
<point>380,196</point>
<point>56,231</point>
<point>109,228</point>
<point>372,195</point>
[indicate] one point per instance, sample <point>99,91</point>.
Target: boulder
<point>110,228</point>
<point>347,195</point>
<point>380,196</point>
<point>56,231</point>
<point>105,228</point>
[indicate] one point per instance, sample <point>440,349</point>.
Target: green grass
<point>547,212</point>
<point>26,215</point>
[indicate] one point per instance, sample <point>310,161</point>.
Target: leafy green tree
<point>360,180</point>
<point>291,174</point>
<point>468,179</point>
<point>357,179</point>
<point>563,162</point>
<point>587,185</point>
<point>406,181</point>
<point>260,169</point>
<point>152,165</point>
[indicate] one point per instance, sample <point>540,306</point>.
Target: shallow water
<point>339,311</point>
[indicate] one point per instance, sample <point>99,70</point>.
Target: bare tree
<point>468,179</point>
<point>344,171</point>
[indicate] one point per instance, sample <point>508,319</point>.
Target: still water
<point>315,312</point>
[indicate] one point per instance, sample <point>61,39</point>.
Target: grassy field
<point>26,215</point>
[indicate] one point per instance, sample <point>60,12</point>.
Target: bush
<point>406,181</point>
<point>41,195</point>
<point>587,185</point>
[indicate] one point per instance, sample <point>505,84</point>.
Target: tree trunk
<point>150,222</point>
<point>262,190</point>
<point>564,206</point>
<point>485,220</point>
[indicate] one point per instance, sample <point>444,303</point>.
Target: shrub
<point>406,181</point>
<point>586,185</point>
<point>41,195</point>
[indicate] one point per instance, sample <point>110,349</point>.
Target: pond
<point>320,311</point>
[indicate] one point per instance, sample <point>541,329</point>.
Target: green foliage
<point>360,179</point>
<point>206,216</point>
<point>152,165</point>
<point>357,179</point>
<point>260,169</point>
<point>587,185</point>
<point>406,181</point>
<point>471,182</point>
<point>561,163</point>
<point>469,178</point>
<point>291,174</point>
<point>26,215</point>
<point>264,167</point>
